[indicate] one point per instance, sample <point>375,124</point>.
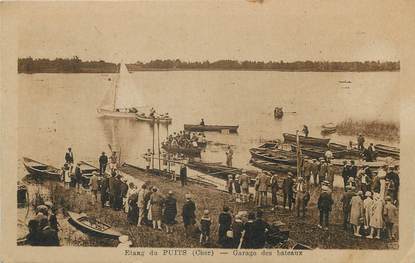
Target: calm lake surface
<point>59,110</point>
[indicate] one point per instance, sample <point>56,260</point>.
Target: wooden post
<point>298,154</point>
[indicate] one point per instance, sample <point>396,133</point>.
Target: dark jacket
<point>249,236</point>
<point>48,237</point>
<point>346,198</point>
<point>183,173</point>
<point>225,220</point>
<point>237,228</point>
<point>103,159</point>
<point>69,157</point>
<point>353,171</point>
<point>104,185</point>
<point>274,184</point>
<point>170,209</point>
<point>123,189</point>
<point>78,174</point>
<point>394,177</point>
<point>287,185</point>
<point>325,201</point>
<point>188,213</point>
<point>111,184</point>
<point>260,228</point>
<point>205,225</point>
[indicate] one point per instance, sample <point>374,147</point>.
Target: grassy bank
<point>382,130</point>
<point>301,230</point>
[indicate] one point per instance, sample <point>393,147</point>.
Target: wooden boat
<point>92,226</point>
<point>87,169</point>
<point>328,128</point>
<point>212,128</point>
<point>316,152</point>
<point>350,153</point>
<point>183,150</point>
<point>278,113</point>
<point>385,150</point>
<point>270,145</point>
<point>42,170</point>
<point>214,169</point>
<point>273,167</point>
<point>291,138</point>
<point>273,156</point>
<point>160,119</point>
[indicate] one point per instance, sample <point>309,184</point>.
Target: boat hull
<point>212,128</point>
<point>194,151</point>
<point>41,170</point>
<point>315,152</point>
<point>149,119</point>
<point>268,156</point>
<point>385,150</point>
<point>273,167</point>
<point>76,220</point>
<point>291,138</point>
<point>116,114</point>
<point>214,169</point>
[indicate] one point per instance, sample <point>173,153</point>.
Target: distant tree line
<point>75,65</point>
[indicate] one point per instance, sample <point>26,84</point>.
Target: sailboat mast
<point>115,89</point>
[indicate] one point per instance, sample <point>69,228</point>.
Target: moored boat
<point>214,169</point>
<point>278,113</point>
<point>291,138</point>
<point>273,167</point>
<point>212,128</point>
<point>160,119</point>
<point>183,150</point>
<point>316,152</point>
<point>350,153</point>
<point>385,150</point>
<point>41,170</point>
<point>92,226</point>
<point>274,156</point>
<point>328,128</point>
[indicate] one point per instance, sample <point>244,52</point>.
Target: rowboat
<point>350,153</point>
<point>278,113</point>
<point>316,152</point>
<point>214,169</point>
<point>273,156</point>
<point>273,167</point>
<point>86,170</point>
<point>269,145</point>
<point>385,150</point>
<point>212,128</point>
<point>291,138</point>
<point>183,150</point>
<point>92,226</point>
<point>42,170</point>
<point>160,119</point>
<point>328,128</point>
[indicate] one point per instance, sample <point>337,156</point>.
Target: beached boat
<point>269,145</point>
<point>87,169</point>
<point>328,128</point>
<point>92,226</point>
<point>160,118</point>
<point>316,152</point>
<point>183,150</point>
<point>214,169</point>
<point>273,156</point>
<point>212,128</point>
<point>385,150</point>
<point>291,138</point>
<point>349,153</point>
<point>273,167</point>
<point>41,170</point>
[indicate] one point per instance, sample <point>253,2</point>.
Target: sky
<point>210,30</point>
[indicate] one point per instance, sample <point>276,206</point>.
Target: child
<point>390,213</point>
<point>205,223</point>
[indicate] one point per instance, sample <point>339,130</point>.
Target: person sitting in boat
<point>202,122</point>
<point>305,130</point>
<point>133,110</point>
<point>152,112</point>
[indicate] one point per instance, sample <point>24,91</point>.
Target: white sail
<point>109,98</point>
<point>127,95</point>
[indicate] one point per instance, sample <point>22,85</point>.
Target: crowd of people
<point>186,139</point>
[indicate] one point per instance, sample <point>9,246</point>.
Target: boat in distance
<point>160,119</point>
<point>291,138</point>
<point>213,128</point>
<point>42,170</point>
<point>92,226</point>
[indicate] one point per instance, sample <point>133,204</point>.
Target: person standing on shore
<point>113,161</point>
<point>360,142</point>
<point>237,229</point>
<point>205,223</point>
<point>307,171</point>
<point>123,194</point>
<point>66,174</point>
<point>183,174</point>
<point>390,213</point>
<point>314,171</point>
<point>93,184</point>
<point>225,221</point>
<point>103,161</point>
<point>322,171</point>
<point>287,188</point>
<point>345,173</point>
<point>376,216</point>
<point>274,189</point>
<point>132,215</point>
<point>324,204</point>
<point>263,182</point>
<point>300,189</point>
<point>188,214</point>
<point>356,212</point>
<point>104,190</point>
<point>170,211</point>
<point>78,177</point>
<point>330,174</point>
<point>111,189</point>
<point>244,180</point>
<point>305,130</point>
<point>69,158</point>
<point>346,198</point>
<point>229,156</point>
<point>147,158</point>
<point>142,204</point>
<point>156,202</point>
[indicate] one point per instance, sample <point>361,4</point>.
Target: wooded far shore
<point>76,65</point>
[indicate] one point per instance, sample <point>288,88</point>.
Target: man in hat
<point>353,169</point>
<point>104,191</point>
<point>112,189</point>
<point>393,176</point>
<point>113,161</point>
<point>78,177</point>
<point>324,204</point>
<point>69,157</point>
<point>103,161</point>
<point>274,189</point>
<point>147,157</point>
<point>346,198</point>
<point>188,214</point>
<point>287,189</point>
<point>307,170</point>
<point>356,212</point>
<point>244,181</point>
<point>360,142</point>
<point>47,235</point>
<point>66,174</point>
<point>93,184</point>
<point>322,173</point>
<point>183,174</point>
<point>263,182</point>
<point>170,211</point>
<point>300,190</point>
<point>205,223</point>
<point>123,193</point>
<point>314,171</point>
<point>390,213</point>
<point>225,222</point>
<point>345,172</point>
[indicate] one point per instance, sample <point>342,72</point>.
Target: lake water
<point>59,110</point>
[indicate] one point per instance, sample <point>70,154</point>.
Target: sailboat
<point>124,100</point>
